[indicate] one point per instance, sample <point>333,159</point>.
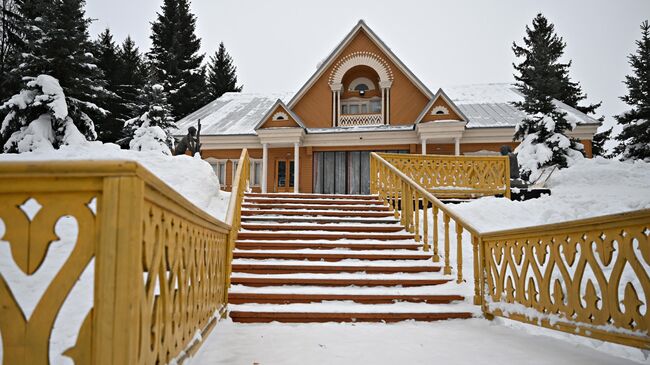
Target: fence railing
<point>456,176</point>
<point>588,277</point>
<point>157,264</point>
<point>410,202</point>
<point>350,120</point>
<point>240,184</point>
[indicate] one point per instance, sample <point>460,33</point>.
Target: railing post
<point>118,272</point>
<point>436,256</point>
<point>447,270</point>
<point>477,274</point>
<point>425,223</point>
<point>459,252</point>
<point>417,216</point>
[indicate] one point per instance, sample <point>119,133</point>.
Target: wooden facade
<point>361,99</point>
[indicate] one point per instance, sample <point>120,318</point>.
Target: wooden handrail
<point>240,184</point>
<point>237,178</point>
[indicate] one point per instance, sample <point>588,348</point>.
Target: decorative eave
<point>272,109</point>
<point>441,94</point>
<point>440,130</point>
<point>279,137</point>
<point>361,25</point>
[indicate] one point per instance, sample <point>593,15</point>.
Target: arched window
<point>361,84</point>
<point>280,116</point>
<point>361,87</point>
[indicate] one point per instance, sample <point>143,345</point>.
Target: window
<point>361,84</point>
<point>361,106</point>
<point>235,163</point>
<point>256,172</point>
<point>219,167</point>
<point>280,116</point>
<point>361,87</point>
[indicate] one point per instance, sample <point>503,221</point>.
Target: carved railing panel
<point>456,176</point>
<point>150,267</point>
<point>589,277</point>
<point>350,120</point>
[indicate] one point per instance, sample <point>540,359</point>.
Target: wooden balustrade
<point>233,216</point>
<point>588,277</point>
<point>160,264</point>
<point>410,202</point>
<point>456,176</point>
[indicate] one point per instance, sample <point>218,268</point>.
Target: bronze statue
<point>191,142</point>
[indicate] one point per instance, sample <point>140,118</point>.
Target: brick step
<point>320,220</point>
<point>311,196</point>
<point>329,257</point>
<point>280,235</point>
<point>330,213</point>
<point>326,269</point>
<point>322,227</point>
<point>272,281</point>
<point>316,317</point>
<point>313,201</point>
<point>381,208</point>
<point>271,245</point>
<point>267,298</point>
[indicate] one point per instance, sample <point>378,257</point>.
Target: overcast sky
<point>276,45</point>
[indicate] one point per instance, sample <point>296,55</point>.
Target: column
<point>457,146</point>
<point>333,109</point>
<point>424,146</point>
<point>296,167</point>
<point>265,165</point>
<point>338,106</point>
<point>383,100</point>
<point>388,106</point>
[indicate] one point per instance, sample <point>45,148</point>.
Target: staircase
<point>334,258</point>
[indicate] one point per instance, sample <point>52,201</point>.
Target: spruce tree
<point>635,136</point>
<point>132,79</point>
<point>541,77</point>
<point>11,44</point>
<point>58,45</point>
<point>222,74</point>
<point>109,126</point>
<point>175,57</point>
<point>152,131</point>
<point>543,49</point>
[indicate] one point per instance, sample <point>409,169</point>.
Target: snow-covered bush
<point>38,117</point>
<point>152,131</point>
<point>544,145</point>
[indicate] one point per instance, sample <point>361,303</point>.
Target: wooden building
<point>362,98</point>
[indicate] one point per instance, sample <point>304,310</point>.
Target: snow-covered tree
<point>109,126</point>
<point>222,74</point>
<point>598,143</point>
<point>152,131</point>
<point>58,45</point>
<point>133,77</point>
<point>175,59</point>
<point>11,43</point>
<point>635,136</point>
<point>38,118</point>
<point>541,78</point>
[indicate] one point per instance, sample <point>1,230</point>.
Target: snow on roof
<point>485,106</point>
<point>490,105</point>
<point>232,113</point>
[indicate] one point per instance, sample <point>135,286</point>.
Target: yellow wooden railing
<point>588,277</point>
<point>456,176</point>
<point>408,199</point>
<point>160,263</point>
<point>233,216</point>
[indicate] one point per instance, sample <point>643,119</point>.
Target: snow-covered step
<point>319,235</point>
<point>326,255</point>
<point>347,201</point>
<point>357,245</point>
<point>272,280</point>
<point>265,268</point>
<point>314,206</point>
<point>352,307</point>
<point>439,289</point>
<point>317,213</point>
<point>336,227</point>
<point>290,298</point>
<point>311,196</point>
<point>318,220</point>
<point>347,262</point>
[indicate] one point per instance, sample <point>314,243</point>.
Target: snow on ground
<point>191,177</point>
<point>591,187</point>
<point>470,341</point>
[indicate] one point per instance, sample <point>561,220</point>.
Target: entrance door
<point>284,171</point>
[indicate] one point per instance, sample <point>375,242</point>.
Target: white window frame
<point>216,167</point>
<point>253,173</point>
<point>360,103</point>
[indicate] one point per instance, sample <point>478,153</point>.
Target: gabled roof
<point>452,105</point>
<point>361,25</point>
<point>281,104</point>
<point>231,114</point>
